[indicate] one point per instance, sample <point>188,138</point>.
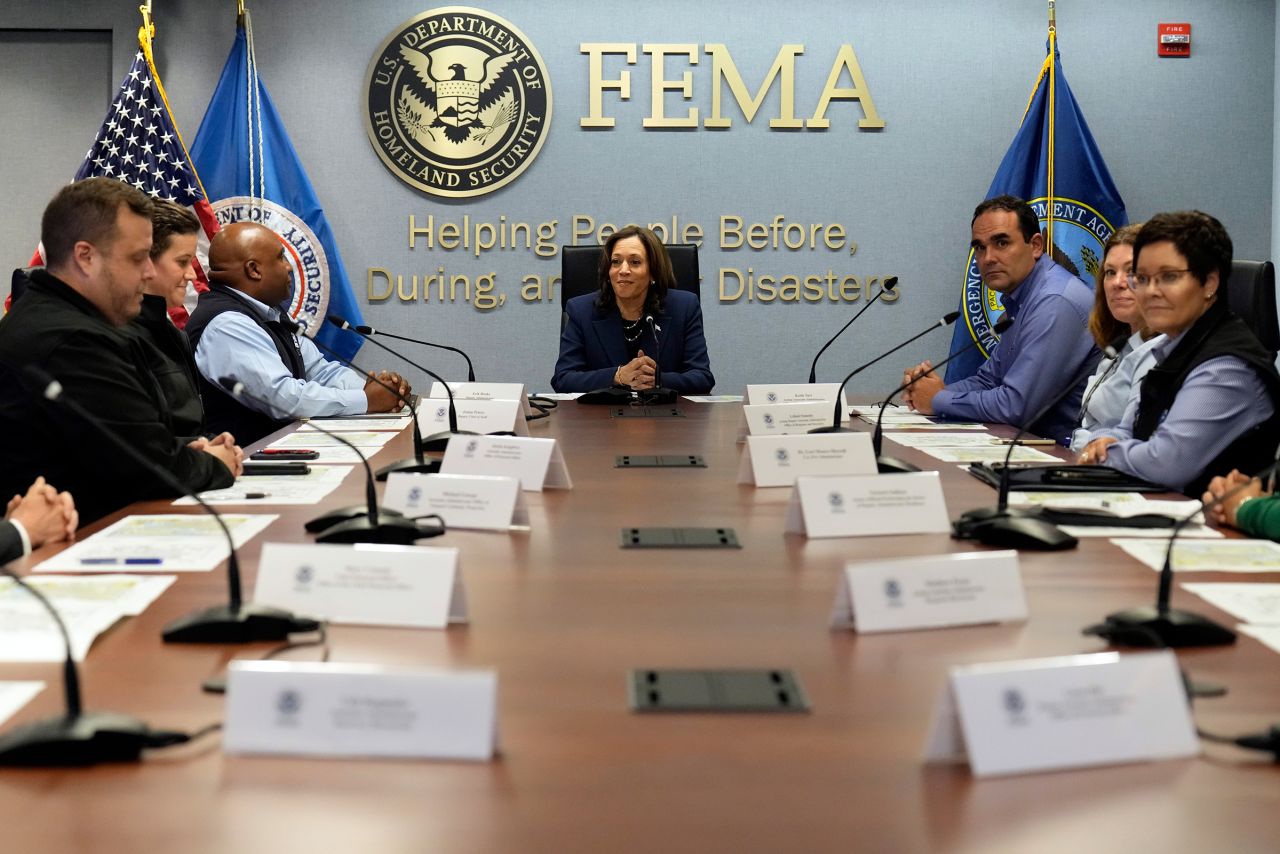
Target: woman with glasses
<point>1115,322</point>
<point>1211,402</point>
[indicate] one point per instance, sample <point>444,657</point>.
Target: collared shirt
<point>1220,400</point>
<point>1047,347</point>
<point>22,535</point>
<point>1106,395</point>
<point>233,345</point>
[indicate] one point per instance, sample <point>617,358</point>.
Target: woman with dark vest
<point>1212,402</point>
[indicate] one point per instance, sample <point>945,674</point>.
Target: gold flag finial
<point>1053,18</point>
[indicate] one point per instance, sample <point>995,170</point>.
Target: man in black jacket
<point>70,322</point>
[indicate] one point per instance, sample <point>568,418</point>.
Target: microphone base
<point>333,517</point>
<point>1147,627</point>
<point>88,739</point>
<point>440,441</point>
<point>246,624</point>
<point>409,466</point>
<point>891,465</point>
<point>394,530</point>
<point>831,428</point>
<point>1013,529</point>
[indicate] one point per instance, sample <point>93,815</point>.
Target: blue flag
<point>1055,165</point>
<point>251,172</point>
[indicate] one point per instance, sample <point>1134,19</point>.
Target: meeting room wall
<point>948,78</point>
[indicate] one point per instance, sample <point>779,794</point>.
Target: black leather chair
<point>579,266</point>
<point>1251,293</point>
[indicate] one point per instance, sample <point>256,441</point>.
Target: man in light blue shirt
<point>238,330</point>
<point>1047,348</point>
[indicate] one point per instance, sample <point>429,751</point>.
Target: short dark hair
<point>1102,323</point>
<point>660,269</point>
<point>1198,237</point>
<point>1028,222</point>
<point>87,210</point>
<point>169,219</point>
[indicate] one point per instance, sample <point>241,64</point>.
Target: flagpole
<point>1053,53</point>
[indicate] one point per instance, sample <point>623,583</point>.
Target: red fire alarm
<point>1173,40</point>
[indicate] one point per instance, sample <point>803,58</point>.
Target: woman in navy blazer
<point>637,331</point>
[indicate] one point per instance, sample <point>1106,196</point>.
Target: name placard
<point>781,419</point>
<point>485,391</point>
<point>364,584</point>
<point>475,416</point>
<point>930,592</point>
<point>485,502</point>
<point>868,505</point>
<point>779,460</point>
<point>797,393</point>
<point>295,708</point>
<point>538,463</point>
<point>1070,712</point>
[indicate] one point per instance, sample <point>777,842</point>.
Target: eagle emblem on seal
<point>468,102</point>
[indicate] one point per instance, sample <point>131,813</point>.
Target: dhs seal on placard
<point>1079,233</point>
<point>309,300</point>
<point>458,102</point>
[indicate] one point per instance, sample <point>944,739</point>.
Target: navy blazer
<point>10,542</point>
<point>592,346</point>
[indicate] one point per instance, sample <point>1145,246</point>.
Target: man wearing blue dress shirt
<point>1048,346</point>
<point>238,330</point>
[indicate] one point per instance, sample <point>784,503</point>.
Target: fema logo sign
<point>458,102</point>
<point>772,397</point>
<point>768,420</point>
<point>782,455</point>
<point>415,495</point>
<point>1015,705</point>
<point>309,301</point>
<point>892,591</point>
<point>442,411</point>
<point>472,445</point>
<point>1079,233</point>
<point>288,703</point>
<point>836,500</point>
<point>304,575</point>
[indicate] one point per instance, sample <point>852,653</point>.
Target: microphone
<point>657,394</point>
<point>1163,626</point>
<point>1023,529</point>
<point>237,621</point>
<point>889,465</point>
<point>437,441</point>
<point>369,330</point>
<point>887,285</point>
<point>357,524</point>
<point>838,416</point>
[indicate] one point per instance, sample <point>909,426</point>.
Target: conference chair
<point>579,266</point>
<point>1251,293</point>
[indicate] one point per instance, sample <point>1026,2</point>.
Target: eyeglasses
<point>1163,279</point>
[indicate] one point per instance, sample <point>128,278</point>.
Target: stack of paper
<point>88,605</point>
<point>173,543</point>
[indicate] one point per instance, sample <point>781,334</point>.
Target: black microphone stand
<point>369,331</point>
<point>888,285</point>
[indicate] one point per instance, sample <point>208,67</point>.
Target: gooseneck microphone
<point>419,464</point>
<point>1024,529</point>
<point>657,392</point>
<point>368,331</point>
<point>434,442</point>
<point>237,621</point>
<point>1162,626</point>
<point>889,465</point>
<point>886,286</point>
<point>838,415</point>
<point>358,524</point>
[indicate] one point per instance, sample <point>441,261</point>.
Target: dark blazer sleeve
<point>10,542</point>
<point>582,365</point>
<point>683,358</point>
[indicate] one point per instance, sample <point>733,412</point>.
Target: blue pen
<point>128,561</point>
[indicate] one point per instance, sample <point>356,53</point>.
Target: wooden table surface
<point>563,614</point>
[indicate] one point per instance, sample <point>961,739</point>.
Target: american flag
<point>140,145</point>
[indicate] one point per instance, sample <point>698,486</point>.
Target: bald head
<point>250,258</point>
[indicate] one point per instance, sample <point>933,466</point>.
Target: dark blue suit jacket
<point>592,346</point>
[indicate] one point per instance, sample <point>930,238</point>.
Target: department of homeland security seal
<point>309,300</point>
<point>458,102</point>
<point>1079,233</point>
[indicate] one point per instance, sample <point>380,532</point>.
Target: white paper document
<point>337,455</point>
<point>990,454</point>
<point>165,543</point>
<point>392,423</point>
<point>946,440</point>
<point>1267,635</point>
<point>1206,555</point>
<point>314,439</point>
<point>28,632</point>
<point>129,595</point>
<point>309,488</point>
<point>1248,603</point>
<point>15,695</point>
<point>713,398</point>
<point>1193,532</point>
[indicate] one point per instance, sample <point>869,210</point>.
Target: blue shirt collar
<point>1027,288</point>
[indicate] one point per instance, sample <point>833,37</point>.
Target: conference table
<point>562,614</point>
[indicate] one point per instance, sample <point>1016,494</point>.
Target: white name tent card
<point>474,416</point>
<point>486,502</point>
<point>1076,711</point>
<point>779,460</point>
<point>796,393</point>
<point>930,592</point>
<point>538,463</point>
<point>868,505</point>
<point>780,419</point>
<point>365,584</point>
<point>485,391</point>
<point>351,710</point>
